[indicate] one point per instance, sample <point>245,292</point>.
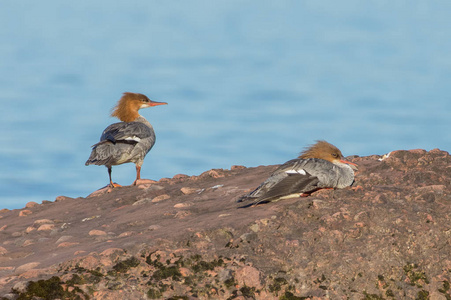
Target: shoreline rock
<point>385,238</point>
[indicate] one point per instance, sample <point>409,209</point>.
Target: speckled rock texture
<point>387,237</point>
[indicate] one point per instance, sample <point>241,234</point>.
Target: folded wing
<point>293,177</point>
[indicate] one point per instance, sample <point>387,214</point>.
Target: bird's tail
<point>252,201</point>
<point>253,198</point>
<point>100,154</point>
<point>244,198</point>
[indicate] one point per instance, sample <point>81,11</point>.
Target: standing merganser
<point>126,141</point>
<point>319,166</point>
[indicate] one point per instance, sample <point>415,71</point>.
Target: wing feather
<point>289,178</point>
<point>126,131</point>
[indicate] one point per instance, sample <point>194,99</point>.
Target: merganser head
<point>326,151</point>
<point>127,107</point>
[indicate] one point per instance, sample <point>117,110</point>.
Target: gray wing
<point>122,142</point>
<point>290,178</point>
<point>128,132</point>
<point>327,173</point>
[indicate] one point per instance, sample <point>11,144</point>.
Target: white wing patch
<point>133,138</point>
<point>293,171</point>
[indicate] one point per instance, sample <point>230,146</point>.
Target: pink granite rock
<point>25,267</point>
<point>96,232</point>
<point>25,212</point>
<point>188,190</point>
<point>249,276</point>
<point>46,227</point>
<point>31,204</point>
<point>386,237</point>
<point>161,198</point>
<point>3,250</point>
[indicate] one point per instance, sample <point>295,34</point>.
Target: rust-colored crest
<point>127,107</point>
<point>323,150</point>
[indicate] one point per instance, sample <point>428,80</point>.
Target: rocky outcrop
<point>387,237</point>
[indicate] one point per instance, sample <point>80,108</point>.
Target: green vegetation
<point>51,289</point>
<point>416,277</point>
<point>125,265</point>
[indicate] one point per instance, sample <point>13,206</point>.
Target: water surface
<point>248,83</point>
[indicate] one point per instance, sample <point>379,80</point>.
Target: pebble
<point>255,227</point>
<point>182,205</point>
<point>25,212</point>
<point>27,243</point>
<point>21,286</point>
<point>64,238</point>
<point>214,173</point>
<point>154,227</point>
<point>145,182</point>
<point>249,276</point>
<point>155,187</point>
<point>33,273</point>
<point>127,233</point>
<point>30,229</point>
<point>31,204</point>
<point>182,214</point>
<point>143,201</point>
<point>111,251</point>
<point>66,244</point>
<point>26,267</point>
<point>96,232</point>
<point>180,176</point>
<point>43,221</point>
<point>45,227</point>
<point>99,192</point>
<point>9,296</point>
<point>436,187</point>
<point>3,250</point>
<point>90,218</point>
<point>317,204</point>
<point>185,272</point>
<point>188,190</point>
<point>237,167</point>
<point>161,198</point>
<point>62,198</point>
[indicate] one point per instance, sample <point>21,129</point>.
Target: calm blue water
<point>247,82</point>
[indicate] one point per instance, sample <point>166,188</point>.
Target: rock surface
<point>387,237</point>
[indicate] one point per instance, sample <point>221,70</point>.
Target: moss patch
<point>125,265</point>
<point>51,289</point>
<point>290,296</point>
<point>416,276</point>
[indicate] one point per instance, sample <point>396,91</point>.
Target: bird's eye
<point>335,155</point>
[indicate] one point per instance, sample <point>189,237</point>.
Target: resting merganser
<point>126,141</point>
<point>319,166</point>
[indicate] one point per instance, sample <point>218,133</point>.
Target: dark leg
<point>112,185</point>
<point>109,175</point>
